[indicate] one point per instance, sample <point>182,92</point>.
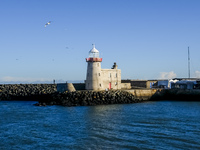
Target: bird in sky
<point>48,23</point>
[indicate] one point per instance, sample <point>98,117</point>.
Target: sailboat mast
<point>188,62</point>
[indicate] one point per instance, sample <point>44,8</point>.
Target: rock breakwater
<point>46,94</point>
<point>25,91</point>
<point>88,98</point>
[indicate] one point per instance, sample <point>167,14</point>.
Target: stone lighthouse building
<point>101,79</point>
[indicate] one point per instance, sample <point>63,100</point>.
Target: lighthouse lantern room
<point>93,55</point>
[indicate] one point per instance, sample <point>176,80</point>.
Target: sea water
<point>149,125</point>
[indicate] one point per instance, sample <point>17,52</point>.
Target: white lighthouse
<point>93,77</point>
<point>98,78</point>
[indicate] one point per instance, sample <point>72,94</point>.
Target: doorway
<point>109,85</point>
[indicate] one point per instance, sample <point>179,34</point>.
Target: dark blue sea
<point>165,125</point>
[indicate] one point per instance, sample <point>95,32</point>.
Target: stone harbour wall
<point>144,94</point>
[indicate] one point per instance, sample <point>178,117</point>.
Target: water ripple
<point>152,125</point>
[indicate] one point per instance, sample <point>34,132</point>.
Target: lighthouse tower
<point>93,77</point>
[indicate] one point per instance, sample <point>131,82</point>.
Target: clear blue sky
<point>148,39</point>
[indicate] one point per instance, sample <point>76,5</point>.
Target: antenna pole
<point>188,63</point>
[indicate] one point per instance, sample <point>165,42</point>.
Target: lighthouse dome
<point>94,52</point>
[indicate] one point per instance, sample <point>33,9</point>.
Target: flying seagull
<point>47,24</point>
